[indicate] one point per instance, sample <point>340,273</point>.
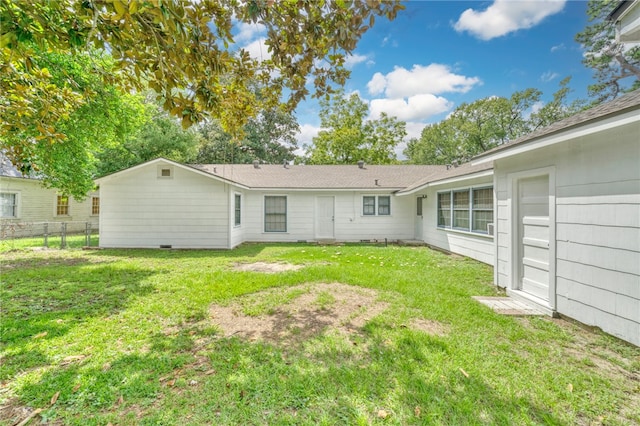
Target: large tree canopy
<point>616,65</point>
<point>268,138</point>
<point>486,123</point>
<point>348,136</point>
<point>62,154</point>
<point>184,50</point>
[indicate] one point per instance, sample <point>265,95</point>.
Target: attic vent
<point>165,172</point>
<point>361,164</point>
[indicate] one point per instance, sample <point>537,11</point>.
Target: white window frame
<point>286,214</point>
<point>16,204</point>
<point>376,205</point>
<point>471,191</point>
<point>56,205</point>
<point>237,209</point>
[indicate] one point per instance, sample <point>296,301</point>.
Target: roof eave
<point>560,136</point>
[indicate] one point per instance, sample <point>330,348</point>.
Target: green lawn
<point>134,337</point>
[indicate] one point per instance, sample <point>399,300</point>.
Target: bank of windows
<point>275,213</point>
<point>62,205</point>
<point>376,205</point>
<point>237,206</point>
<point>8,205</point>
<point>469,209</point>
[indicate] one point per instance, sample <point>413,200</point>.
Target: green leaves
<point>349,137</point>
<point>184,50</point>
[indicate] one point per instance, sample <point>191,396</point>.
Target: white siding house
<point>557,212</point>
<point>454,211</point>
<point>568,217</point>
<point>166,204</point>
<point>25,204</point>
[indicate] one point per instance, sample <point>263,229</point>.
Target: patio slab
<point>508,306</point>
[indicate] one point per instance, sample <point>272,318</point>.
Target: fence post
<point>46,234</point>
<point>88,234</point>
<point>63,235</point>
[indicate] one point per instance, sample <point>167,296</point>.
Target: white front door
<point>419,219</point>
<point>325,218</point>
<point>533,236</point>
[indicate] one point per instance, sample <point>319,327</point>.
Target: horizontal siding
<point>141,210</point>
<point>597,197</point>
<point>476,246</point>
<point>38,204</point>
<point>349,224</point>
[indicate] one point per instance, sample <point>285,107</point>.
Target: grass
<point>126,337</point>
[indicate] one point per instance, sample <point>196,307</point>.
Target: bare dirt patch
<point>269,268</point>
<point>429,326</point>
<point>294,314</point>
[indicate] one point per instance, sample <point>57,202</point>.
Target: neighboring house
<point>568,216</point>
<point>562,202</point>
<point>25,205</point>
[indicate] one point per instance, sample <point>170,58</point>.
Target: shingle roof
<point>452,172</point>
<point>268,176</point>
<point>627,102</point>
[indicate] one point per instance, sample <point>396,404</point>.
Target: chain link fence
<point>48,231</point>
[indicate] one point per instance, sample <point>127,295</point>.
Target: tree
<point>616,66</point>
<point>104,118</point>
<point>348,137</point>
<point>268,138</point>
<point>159,136</point>
<point>486,123</point>
<point>184,50</point>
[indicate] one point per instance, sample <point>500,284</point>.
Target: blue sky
<point>438,54</point>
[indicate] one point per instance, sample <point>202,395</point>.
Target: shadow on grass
<point>231,381</point>
<point>40,304</point>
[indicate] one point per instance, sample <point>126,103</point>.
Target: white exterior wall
<point>474,245</point>
<point>38,204</point>
<point>350,224</point>
<point>597,227</point>
<point>140,209</point>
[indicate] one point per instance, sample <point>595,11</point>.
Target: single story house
<point>25,205</point>
<point>557,212</point>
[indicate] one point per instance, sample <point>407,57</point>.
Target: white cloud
<point>353,60</point>
<point>258,50</point>
<point>505,16</point>
<point>549,76</point>
<point>414,129</point>
<point>307,133</point>
<point>430,79</point>
<point>557,47</point>
<point>417,107</point>
<point>248,32</point>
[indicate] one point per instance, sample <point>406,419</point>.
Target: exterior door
<point>419,219</point>
<point>325,218</point>
<point>533,236</point>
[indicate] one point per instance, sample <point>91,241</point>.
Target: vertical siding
<point>38,204</point>
<point>476,246</point>
<point>141,210</point>
<point>597,227</point>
